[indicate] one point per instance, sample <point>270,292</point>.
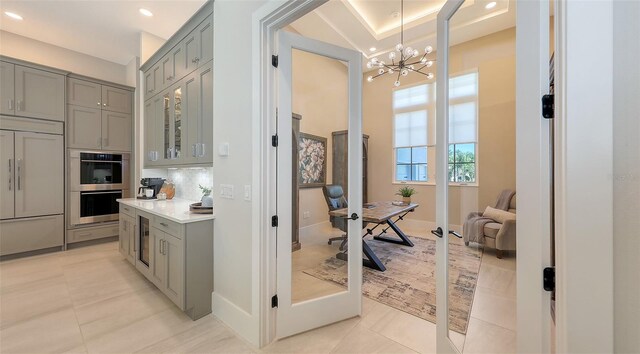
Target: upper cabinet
<point>98,116</point>
<point>30,92</point>
<point>178,109</point>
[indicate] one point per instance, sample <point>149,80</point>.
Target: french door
<point>533,176</point>
<point>305,302</point>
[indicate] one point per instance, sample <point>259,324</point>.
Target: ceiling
<point>366,24</point>
<point>108,30</point>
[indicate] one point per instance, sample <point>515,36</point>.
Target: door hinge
<point>274,221</point>
<point>274,301</point>
<point>274,140</point>
<point>274,61</point>
<point>548,106</point>
<point>549,279</point>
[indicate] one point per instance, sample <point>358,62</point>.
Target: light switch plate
<point>247,192</point>
<point>226,191</point>
<point>223,149</point>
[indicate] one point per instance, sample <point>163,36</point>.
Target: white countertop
<point>175,209</point>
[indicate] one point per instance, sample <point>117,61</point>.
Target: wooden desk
<point>378,213</point>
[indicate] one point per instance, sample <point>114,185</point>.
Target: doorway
<point>423,225</point>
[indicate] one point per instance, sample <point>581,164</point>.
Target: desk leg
<point>372,261</point>
<point>404,240</point>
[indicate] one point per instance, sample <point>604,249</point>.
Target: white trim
<point>242,322</point>
<point>532,177</point>
<point>584,227</point>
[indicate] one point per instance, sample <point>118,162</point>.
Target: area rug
<point>409,283</point>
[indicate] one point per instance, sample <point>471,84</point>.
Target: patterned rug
<point>409,282</point>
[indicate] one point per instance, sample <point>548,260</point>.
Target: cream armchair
<point>502,237</point>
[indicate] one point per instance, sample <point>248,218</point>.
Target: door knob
<point>354,216</point>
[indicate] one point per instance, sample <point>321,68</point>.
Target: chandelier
<point>403,60</point>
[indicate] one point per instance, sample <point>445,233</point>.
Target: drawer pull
<point>164,224</point>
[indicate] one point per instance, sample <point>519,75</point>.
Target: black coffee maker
<point>153,184</point>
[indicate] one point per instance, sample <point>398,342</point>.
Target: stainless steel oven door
<point>98,170</point>
<point>88,207</point>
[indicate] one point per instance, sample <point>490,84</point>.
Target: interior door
<point>300,307</point>
<point>459,146</point>
<point>39,168</point>
<point>7,174</point>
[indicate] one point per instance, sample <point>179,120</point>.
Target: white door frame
<point>267,20</point>
<point>532,184</point>
<point>443,342</point>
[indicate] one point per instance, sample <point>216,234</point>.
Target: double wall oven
<point>97,179</point>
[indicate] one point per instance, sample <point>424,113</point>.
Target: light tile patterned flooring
<point>91,300</point>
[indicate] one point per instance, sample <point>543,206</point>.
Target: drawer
<point>22,235</point>
<point>129,210</point>
<point>92,233</point>
<point>170,227</point>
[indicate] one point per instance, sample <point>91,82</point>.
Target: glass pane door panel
<point>320,105</point>
<point>145,229</point>
<point>166,113</point>
<point>177,121</point>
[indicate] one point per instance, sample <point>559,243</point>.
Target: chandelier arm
<point>419,72</point>
<point>398,79</point>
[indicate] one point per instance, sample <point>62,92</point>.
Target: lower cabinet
<point>168,266</point>
<point>28,234</point>
<point>128,237</point>
<point>176,257</point>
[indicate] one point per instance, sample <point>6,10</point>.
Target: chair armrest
<point>506,237</point>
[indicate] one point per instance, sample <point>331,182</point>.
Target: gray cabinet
<point>7,81</point>
<point>7,174</point>
<point>98,116</point>
<point>84,127</point>
<point>168,266</point>
<point>32,180</point>
<point>39,174</point>
<point>116,131</point>
<point>178,259</point>
<point>116,99</point>
<point>340,147</point>
<point>30,92</point>
<point>178,79</point>
<point>127,238</point>
<point>84,93</point>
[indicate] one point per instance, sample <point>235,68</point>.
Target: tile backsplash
<point>187,180</point>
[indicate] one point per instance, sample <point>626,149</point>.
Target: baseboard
<point>240,321</point>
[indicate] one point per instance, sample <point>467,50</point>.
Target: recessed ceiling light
<point>13,15</point>
<point>146,12</point>
<point>490,5</point>
<point>372,49</point>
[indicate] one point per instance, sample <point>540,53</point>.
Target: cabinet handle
<point>19,165</point>
<point>164,224</point>
<point>194,150</point>
<point>11,104</point>
<point>104,104</point>
<point>169,78</point>
<point>19,105</point>
<point>10,174</point>
<point>195,60</point>
<point>202,147</point>
<point>124,224</point>
<point>98,104</point>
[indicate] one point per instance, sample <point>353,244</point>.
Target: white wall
<point>19,47</point>
<point>149,44</point>
<point>235,299</point>
<point>626,175</point>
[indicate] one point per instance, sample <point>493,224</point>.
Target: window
<point>414,133</point>
<point>411,116</point>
